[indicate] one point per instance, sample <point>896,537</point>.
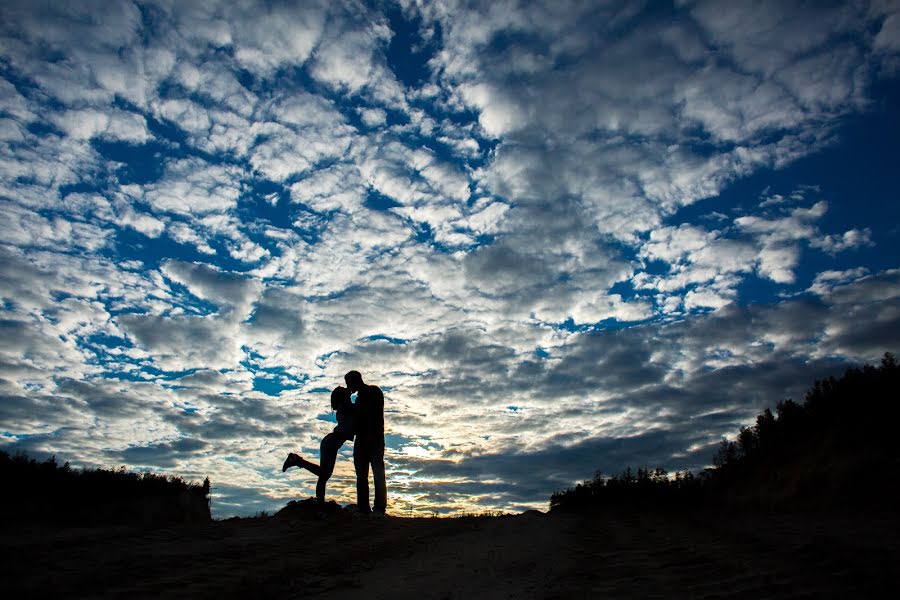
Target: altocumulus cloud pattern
<point>560,236</point>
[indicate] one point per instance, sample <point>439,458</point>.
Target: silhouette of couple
<point>364,421</point>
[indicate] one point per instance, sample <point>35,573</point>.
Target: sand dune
<point>526,556</point>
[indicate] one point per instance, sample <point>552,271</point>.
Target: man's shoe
<point>292,460</point>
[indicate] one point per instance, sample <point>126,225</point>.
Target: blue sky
<point>561,236</point>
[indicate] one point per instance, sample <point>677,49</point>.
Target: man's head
<point>354,381</point>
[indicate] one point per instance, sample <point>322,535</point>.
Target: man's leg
<point>361,458</point>
<point>379,476</point>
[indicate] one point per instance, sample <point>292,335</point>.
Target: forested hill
<point>836,450</point>
<point>46,492</point>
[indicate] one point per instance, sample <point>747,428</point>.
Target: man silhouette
<point>368,449</point>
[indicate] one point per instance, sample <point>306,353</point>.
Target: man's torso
<point>370,410</point>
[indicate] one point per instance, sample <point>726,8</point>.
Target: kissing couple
<point>363,424</point>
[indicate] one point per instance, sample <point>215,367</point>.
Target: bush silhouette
<point>835,451</point>
<point>45,492</point>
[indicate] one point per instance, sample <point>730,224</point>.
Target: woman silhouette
<point>331,443</point>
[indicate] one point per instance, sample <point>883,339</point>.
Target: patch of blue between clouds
<point>271,381</point>
<point>867,149</point>
<point>168,375</point>
<point>328,417</point>
<point>408,53</point>
<point>380,202</point>
<point>267,201</point>
<point>323,359</point>
<point>134,164</point>
<point>385,338</point>
<point>189,302</point>
<point>82,187</point>
<point>146,372</point>
<point>270,387</point>
<point>425,235</point>
<point>129,244</point>
<point>396,441</point>
<point>611,323</point>
<point>41,129</point>
<point>102,342</point>
<point>320,390</point>
<point>30,89</point>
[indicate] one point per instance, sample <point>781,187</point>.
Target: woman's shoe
<point>292,460</point>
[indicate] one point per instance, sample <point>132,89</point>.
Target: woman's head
<point>339,395</point>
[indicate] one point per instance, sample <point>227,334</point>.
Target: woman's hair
<point>339,395</point>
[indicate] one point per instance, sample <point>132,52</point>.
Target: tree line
<point>47,492</point>
<point>836,450</point>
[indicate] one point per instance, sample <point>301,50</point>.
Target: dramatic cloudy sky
<point>561,236</point>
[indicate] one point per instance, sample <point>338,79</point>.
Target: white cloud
<point>705,298</point>
<point>285,153</point>
<point>598,308</point>
<point>344,59</point>
<point>116,125</point>
<point>373,117</point>
<point>888,38</point>
<point>146,224</point>
<point>852,238</point>
<point>227,290</point>
<point>14,103</point>
<point>777,262</point>
<point>178,343</point>
<point>266,38</point>
<point>194,187</point>
<point>10,131</point>
<point>826,281</point>
<point>185,234</point>
<point>798,225</point>
<point>779,252</point>
<point>498,113</point>
<point>26,228</point>
<point>535,182</point>
<point>672,244</point>
<point>695,256</point>
<point>338,186</point>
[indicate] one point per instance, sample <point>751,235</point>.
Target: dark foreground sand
<point>611,555</point>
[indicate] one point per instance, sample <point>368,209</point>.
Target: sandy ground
<point>612,555</point>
